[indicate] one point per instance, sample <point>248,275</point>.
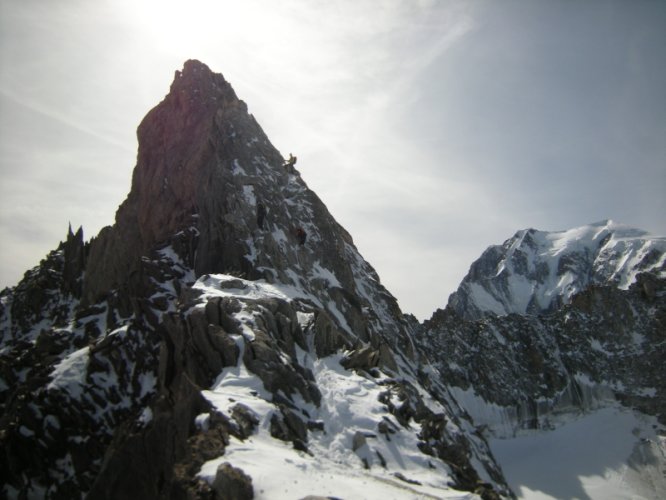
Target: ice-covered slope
<point>225,317</point>
<point>321,426</point>
<point>537,271</point>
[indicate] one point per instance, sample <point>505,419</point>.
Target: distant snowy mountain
<point>538,271</point>
<point>550,335</point>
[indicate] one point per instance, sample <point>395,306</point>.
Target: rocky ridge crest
<point>203,319</point>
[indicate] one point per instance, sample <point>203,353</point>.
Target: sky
<point>431,129</point>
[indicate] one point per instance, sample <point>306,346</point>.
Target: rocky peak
<point>179,143</point>
<point>193,131</point>
<point>205,165</point>
<point>223,280</point>
<point>197,78</point>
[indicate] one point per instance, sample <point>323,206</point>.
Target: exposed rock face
<point>205,163</point>
<point>187,148</point>
<point>73,374</point>
<point>138,365</point>
<point>516,372</point>
<point>232,483</point>
<point>552,324</point>
<point>537,272</point>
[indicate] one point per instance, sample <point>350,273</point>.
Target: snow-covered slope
<point>537,271</point>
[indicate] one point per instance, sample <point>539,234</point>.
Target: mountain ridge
<point>226,339</point>
<point>222,268</point>
<point>550,328</point>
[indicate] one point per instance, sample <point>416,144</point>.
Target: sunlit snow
<point>349,405</point>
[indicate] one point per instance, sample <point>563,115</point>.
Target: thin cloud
<point>63,119</point>
<point>427,127</point>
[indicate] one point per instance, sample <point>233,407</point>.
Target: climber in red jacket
<point>301,235</point>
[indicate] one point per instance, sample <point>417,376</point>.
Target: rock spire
<point>225,303</point>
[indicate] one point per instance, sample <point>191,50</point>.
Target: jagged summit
<point>199,129</point>
<point>197,78</point>
<point>538,271</point>
<point>224,318</point>
<point>205,166</point>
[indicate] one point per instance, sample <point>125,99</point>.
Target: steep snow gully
<point>225,339</point>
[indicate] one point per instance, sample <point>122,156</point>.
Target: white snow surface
<point>602,253</point>
<point>620,255</point>
<point>216,285</point>
<point>69,374</point>
<point>610,454</point>
<point>349,405</point>
<point>224,285</point>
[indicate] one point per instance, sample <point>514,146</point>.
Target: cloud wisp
<point>431,129</point>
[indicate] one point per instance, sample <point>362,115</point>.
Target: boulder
<point>246,419</point>
<point>358,441</point>
<point>231,483</point>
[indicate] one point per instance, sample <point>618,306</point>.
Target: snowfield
<point>346,457</point>
<point>611,454</point>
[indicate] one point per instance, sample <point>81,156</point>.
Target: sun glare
<point>186,27</point>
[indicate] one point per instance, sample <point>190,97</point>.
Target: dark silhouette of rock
<point>108,345</point>
<point>358,441</point>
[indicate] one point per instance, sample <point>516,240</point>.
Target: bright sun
<point>189,27</point>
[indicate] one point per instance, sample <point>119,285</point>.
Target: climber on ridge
<point>301,235</point>
<point>261,215</point>
<point>289,164</point>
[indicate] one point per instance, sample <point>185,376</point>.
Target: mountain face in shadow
<point>225,315</point>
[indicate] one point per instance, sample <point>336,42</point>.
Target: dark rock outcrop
<point>607,344</point>
<point>232,483</point>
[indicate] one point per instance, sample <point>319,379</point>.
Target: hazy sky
<point>431,129</point>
